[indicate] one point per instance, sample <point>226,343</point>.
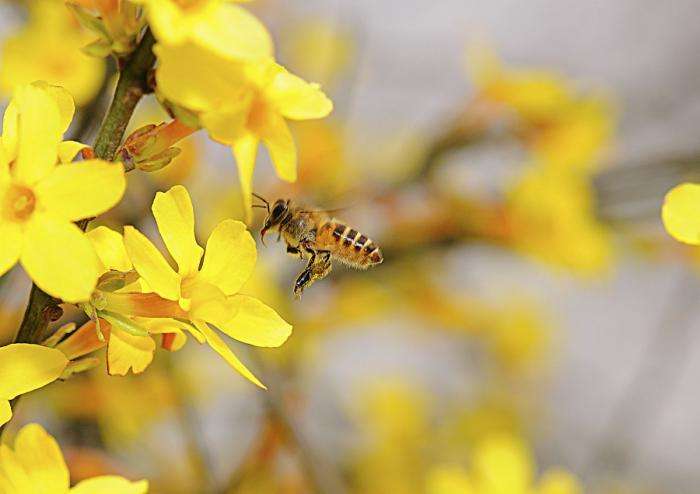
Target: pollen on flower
<point>20,203</point>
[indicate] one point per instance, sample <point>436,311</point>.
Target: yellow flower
<point>240,105</point>
<point>49,48</point>
<point>501,464</point>
<point>532,94</point>
<point>217,26</point>
<point>553,219</point>
<point>576,138</point>
<point>40,198</point>
<point>681,213</point>
<point>210,294</point>
<point>36,465</point>
<point>23,368</point>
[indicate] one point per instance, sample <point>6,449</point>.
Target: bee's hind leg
<point>312,273</point>
<point>295,251</point>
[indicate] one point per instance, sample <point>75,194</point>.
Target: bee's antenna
<point>265,201</point>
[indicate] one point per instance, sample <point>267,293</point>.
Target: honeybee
<point>317,236</point>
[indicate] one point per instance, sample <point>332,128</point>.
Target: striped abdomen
<point>348,245</point>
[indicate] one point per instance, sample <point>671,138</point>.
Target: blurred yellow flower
<point>552,218</point>
<point>240,105</point>
<point>396,416</point>
<point>561,126</point>
<point>217,26</point>
<point>681,213</point>
<point>36,465</point>
<point>40,199</point>
<point>533,94</point>
<point>501,464</point>
<point>23,368</point>
<point>575,139</point>
<point>320,50</point>
<point>49,48</point>
<point>209,295</point>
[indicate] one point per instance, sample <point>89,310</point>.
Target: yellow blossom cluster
<point>122,282</point>
<point>550,210</point>
<point>36,464</point>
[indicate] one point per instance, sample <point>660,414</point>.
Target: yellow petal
<point>681,213</point>
<point>559,482</point>
<point>63,99</point>
<point>198,79</point>
<point>503,464</point>
<point>297,99</point>
<point>59,258</point>
<point>167,20</point>
<point>234,33</point>
<point>26,367</point>
<point>110,484</point>
<point>42,458</point>
<point>11,245</point>
<point>68,150</point>
<point>209,304</point>
<point>280,145</point>
<point>13,474</point>
<point>127,351</point>
<point>5,412</point>
<point>230,257</point>
<point>256,324</point>
<point>82,190</point>
<point>215,341</point>
<point>245,150</point>
<point>175,218</point>
<point>40,131</point>
<point>109,246</point>
<point>10,127</point>
<point>448,480</point>
<point>151,265</point>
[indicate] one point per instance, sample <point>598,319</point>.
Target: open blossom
<point>164,301</point>
<point>42,194</point>
<point>49,48</point>
<point>241,105</point>
<point>24,368</point>
<point>217,26</point>
<point>207,295</point>
<point>35,465</point>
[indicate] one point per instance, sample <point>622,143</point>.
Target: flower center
<point>19,203</point>
<point>189,4</point>
<point>258,115</point>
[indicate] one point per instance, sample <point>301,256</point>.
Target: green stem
<point>43,309</point>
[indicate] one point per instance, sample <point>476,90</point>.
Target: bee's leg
<point>313,273</point>
<point>294,251</point>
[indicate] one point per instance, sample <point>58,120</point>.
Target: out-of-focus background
<point>531,320</point>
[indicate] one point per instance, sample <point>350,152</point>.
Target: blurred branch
<point>635,191</point>
<point>653,383</point>
<point>189,425</point>
<point>320,474</point>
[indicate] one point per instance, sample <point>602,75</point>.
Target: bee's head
<point>276,214</point>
